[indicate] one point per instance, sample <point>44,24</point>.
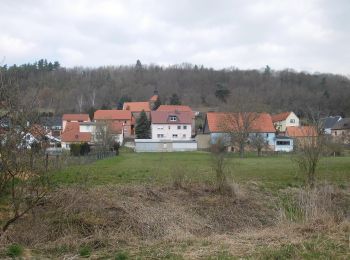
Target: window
<point>169,127</point>
<point>179,127</point>
<point>185,126</point>
<point>160,135</point>
<point>292,121</point>
<point>67,145</point>
<point>283,142</point>
<point>183,136</point>
<point>174,136</point>
<point>267,135</point>
<point>160,128</point>
<point>173,118</point>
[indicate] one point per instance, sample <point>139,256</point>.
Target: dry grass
<point>190,221</point>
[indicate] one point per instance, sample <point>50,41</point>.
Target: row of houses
<point>173,127</point>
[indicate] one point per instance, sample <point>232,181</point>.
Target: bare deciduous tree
<point>23,171</point>
<point>311,147</point>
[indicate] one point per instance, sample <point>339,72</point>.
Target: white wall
<point>169,130</point>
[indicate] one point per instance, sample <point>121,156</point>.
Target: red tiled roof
<point>37,131</point>
<point>76,117</point>
<point>115,127</point>
<point>163,117</point>
<point>154,98</point>
<point>72,134</point>
<point>301,131</point>
<point>224,122</point>
<point>280,117</point>
<point>137,106</point>
<point>112,115</point>
<point>174,108</point>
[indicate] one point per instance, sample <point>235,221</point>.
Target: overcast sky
<point>305,35</point>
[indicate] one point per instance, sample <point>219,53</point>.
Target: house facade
<point>225,125</point>
<point>301,135</point>
<point>283,120</point>
<point>74,118</point>
<point>180,108</point>
<point>341,130</point>
<point>168,125</point>
<point>72,134</point>
<point>329,122</point>
<point>116,119</point>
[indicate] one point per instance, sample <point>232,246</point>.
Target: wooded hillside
<point>80,89</point>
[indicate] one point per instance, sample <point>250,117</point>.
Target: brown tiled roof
<point>76,117</point>
<point>174,108</point>
<point>115,127</point>
<point>112,115</point>
<point>301,131</point>
<point>137,106</point>
<point>72,134</point>
<point>226,122</point>
<point>163,117</point>
<point>280,117</point>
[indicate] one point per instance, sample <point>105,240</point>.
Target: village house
<point>180,108</point>
<point>341,130</point>
<point>302,134</point>
<point>222,124</point>
<point>117,119</point>
<point>72,135</point>
<point>52,124</point>
<point>171,125</point>
<point>283,120</point>
<point>329,122</point>
<point>77,118</point>
<point>137,107</point>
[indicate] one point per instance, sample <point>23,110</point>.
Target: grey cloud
<point>304,35</point>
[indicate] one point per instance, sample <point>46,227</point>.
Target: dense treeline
<point>80,89</point>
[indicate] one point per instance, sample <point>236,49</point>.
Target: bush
<point>85,251</point>
<point>121,256</point>
<point>14,250</point>
<point>75,149</point>
<point>84,148</point>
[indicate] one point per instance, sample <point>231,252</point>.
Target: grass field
<point>273,172</point>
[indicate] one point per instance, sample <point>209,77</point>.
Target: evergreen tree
<point>157,103</point>
<point>143,127</point>
<point>175,100</point>
<point>221,92</point>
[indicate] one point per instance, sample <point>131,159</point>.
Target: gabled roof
<point>174,108</point>
<point>154,98</point>
<point>51,121</point>
<point>226,122</point>
<point>329,122</point>
<point>163,117</point>
<point>112,115</point>
<point>137,106</point>
<point>280,117</point>
<point>342,124</point>
<point>76,117</point>
<point>73,134</point>
<point>301,131</point>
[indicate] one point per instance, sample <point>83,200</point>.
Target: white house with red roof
<point>181,108</point>
<point>286,119</point>
<point>72,134</point>
<point>171,125</point>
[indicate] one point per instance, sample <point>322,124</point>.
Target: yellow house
<point>283,120</point>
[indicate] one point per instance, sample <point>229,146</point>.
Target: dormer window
<point>173,118</point>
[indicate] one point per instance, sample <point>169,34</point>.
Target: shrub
<point>84,149</point>
<point>121,256</point>
<point>14,250</point>
<point>75,149</point>
<point>85,251</point>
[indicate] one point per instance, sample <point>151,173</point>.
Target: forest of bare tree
<point>81,89</point>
